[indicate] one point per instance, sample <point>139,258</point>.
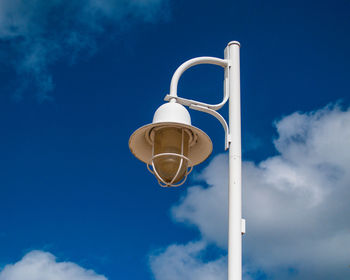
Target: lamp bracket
<point>217,116</point>
<point>201,106</point>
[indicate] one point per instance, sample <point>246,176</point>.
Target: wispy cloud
<point>35,34</point>
<point>39,265</point>
<point>187,264</point>
<point>296,203</point>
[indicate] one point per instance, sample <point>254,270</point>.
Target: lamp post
<point>171,146</point>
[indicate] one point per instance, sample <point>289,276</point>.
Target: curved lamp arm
<point>200,106</point>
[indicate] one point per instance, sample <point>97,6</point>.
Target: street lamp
<point>171,146</point>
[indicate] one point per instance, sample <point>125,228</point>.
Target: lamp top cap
<point>234,43</point>
<point>172,112</point>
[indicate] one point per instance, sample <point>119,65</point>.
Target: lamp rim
<point>142,149</point>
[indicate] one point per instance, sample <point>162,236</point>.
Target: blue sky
<point>78,77</point>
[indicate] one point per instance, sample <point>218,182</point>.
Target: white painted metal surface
<point>235,165</point>
<point>172,112</point>
<point>197,105</point>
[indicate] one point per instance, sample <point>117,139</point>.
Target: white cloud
<point>184,262</point>
<point>206,207</point>
<point>35,34</point>
<point>39,265</point>
<point>296,203</point>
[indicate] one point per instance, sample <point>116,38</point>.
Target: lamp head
<point>170,145</point>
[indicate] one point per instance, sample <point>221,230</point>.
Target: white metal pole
<point>235,166</point>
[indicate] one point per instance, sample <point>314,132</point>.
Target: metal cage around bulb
<point>178,158</point>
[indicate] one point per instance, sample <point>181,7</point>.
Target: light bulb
<point>171,140</point>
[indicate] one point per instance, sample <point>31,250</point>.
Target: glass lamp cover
<point>169,140</point>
